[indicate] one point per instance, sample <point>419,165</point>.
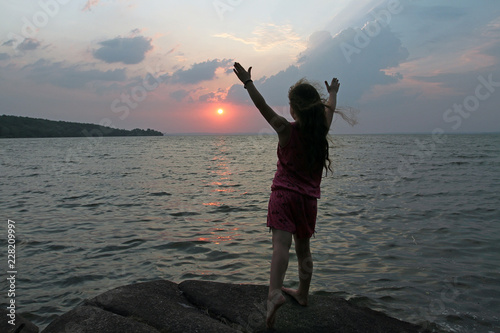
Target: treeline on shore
<point>26,127</point>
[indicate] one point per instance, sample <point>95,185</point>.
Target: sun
<point>220,111</point>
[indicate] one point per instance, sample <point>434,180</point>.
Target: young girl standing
<point>302,155</point>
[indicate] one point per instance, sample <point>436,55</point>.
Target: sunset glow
<point>169,66</point>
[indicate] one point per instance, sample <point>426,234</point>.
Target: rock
<point>245,305</point>
<point>156,306</point>
<point>91,319</point>
<point>22,325</point>
<point>242,304</point>
<point>205,306</point>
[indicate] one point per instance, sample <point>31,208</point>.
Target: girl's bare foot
<point>302,300</point>
<point>274,302</point>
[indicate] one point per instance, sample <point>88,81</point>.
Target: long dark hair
<point>309,107</point>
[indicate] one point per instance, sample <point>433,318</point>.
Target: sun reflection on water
<point>215,235</point>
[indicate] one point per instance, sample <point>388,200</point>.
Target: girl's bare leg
<point>282,240</point>
<point>303,250</point>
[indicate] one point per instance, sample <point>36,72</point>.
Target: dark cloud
<point>429,27</point>
<point>358,57</point>
<point>198,72</point>
<point>493,49</point>
<point>274,88</point>
<point>237,94</point>
<point>212,96</point>
<point>179,95</point>
<point>126,50</point>
<point>10,42</point>
<point>4,56</point>
<point>463,83</point>
<point>440,13</point>
<point>28,44</point>
<point>207,97</point>
<point>57,74</point>
<point>135,31</point>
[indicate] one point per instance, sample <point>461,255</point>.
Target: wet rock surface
<point>21,325</point>
<point>205,306</point>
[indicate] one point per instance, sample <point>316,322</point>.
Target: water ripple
<point>420,244</point>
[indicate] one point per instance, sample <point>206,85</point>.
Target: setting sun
<point>220,111</point>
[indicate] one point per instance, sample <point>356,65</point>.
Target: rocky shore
<point>205,306</point>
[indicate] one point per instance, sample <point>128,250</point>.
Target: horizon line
<point>373,133</point>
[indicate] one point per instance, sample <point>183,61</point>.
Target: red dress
<point>293,202</point>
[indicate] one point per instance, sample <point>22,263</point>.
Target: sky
<point>405,66</point>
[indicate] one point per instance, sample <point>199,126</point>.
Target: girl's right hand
<point>333,87</point>
<point>241,73</point>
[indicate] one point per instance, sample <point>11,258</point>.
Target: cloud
<point>214,96</point>
<point>90,4</point>
<point>493,50</point>
<point>172,50</point>
<point>440,13</point>
<point>462,44</point>
<point>268,36</point>
<point>179,95</point>
<point>10,42</point>
<point>207,97</point>
<point>72,77</point>
<point>135,32</point>
<point>358,70</point>
<point>203,71</point>
<point>125,50</point>
<point>28,44</point>
<point>4,56</point>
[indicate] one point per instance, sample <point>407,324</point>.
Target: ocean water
<point>407,224</point>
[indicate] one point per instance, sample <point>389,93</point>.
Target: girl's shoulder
<point>294,127</point>
<point>286,133</point>
<point>290,135</point>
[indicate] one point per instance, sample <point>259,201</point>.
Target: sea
<point>407,224</point>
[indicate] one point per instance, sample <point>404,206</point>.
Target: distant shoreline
<point>27,127</point>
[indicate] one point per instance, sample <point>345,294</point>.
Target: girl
<point>302,155</point>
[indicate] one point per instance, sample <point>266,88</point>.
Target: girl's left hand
<point>241,73</point>
<point>333,87</point>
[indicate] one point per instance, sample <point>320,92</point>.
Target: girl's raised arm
<point>277,122</point>
<point>332,89</point>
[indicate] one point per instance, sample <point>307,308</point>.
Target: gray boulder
<point>205,306</point>
<point>21,324</point>
<point>156,306</point>
<point>245,305</point>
